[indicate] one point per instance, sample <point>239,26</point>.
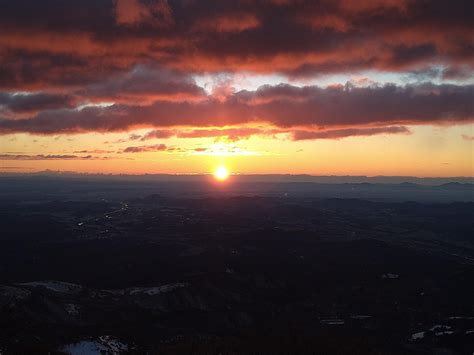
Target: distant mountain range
<point>274,178</point>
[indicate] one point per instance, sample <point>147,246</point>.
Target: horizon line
<point>65,172</point>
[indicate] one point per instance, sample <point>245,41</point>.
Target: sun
<point>221,173</point>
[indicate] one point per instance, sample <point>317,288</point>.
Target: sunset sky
<point>329,87</point>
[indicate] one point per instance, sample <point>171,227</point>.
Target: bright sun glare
<point>221,173</point>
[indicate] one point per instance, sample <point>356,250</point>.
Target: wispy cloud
<point>49,157</point>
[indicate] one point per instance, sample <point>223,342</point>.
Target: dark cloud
<point>403,55</point>
<point>48,157</point>
<point>146,148</point>
<point>134,137</point>
<point>144,85</point>
<point>235,134</point>
<point>467,137</point>
<point>458,73</point>
<point>34,102</point>
<point>280,106</point>
<point>60,65</point>
<point>158,134</point>
<point>229,134</point>
<point>93,151</point>
<point>136,13</point>
<point>56,43</point>
<point>348,132</point>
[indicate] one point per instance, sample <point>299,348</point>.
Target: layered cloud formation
<point>117,65</point>
<point>282,106</point>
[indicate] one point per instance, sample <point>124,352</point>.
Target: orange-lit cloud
<point>348,132</point>
<point>49,157</point>
<point>282,106</point>
<point>62,45</point>
<point>146,148</point>
<point>136,12</point>
<point>321,70</point>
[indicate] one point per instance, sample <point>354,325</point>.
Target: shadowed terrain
<point>231,272</point>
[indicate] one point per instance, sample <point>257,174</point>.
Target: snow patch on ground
<point>437,330</point>
<point>440,327</point>
<point>9,294</point>
<point>390,276</point>
<point>104,344</point>
<point>360,316</point>
<point>417,336</point>
<point>333,321</point>
<point>152,291</point>
<point>84,348</point>
<point>72,309</point>
<point>56,286</point>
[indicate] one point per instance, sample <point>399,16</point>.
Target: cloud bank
<point>281,106</point>
<point>116,65</point>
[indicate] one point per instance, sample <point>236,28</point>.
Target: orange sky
<point>427,151</point>
<point>290,87</point>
